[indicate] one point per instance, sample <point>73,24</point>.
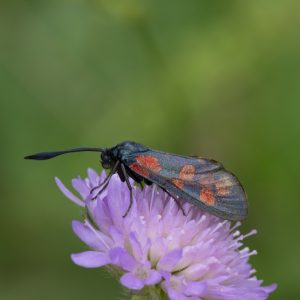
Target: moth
<point>200,181</point>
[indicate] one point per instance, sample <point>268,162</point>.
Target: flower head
<point>197,256</point>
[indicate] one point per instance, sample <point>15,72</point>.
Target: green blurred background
<point>216,78</point>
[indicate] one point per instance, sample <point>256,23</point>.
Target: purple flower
<point>197,256</point>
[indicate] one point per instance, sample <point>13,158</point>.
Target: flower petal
<point>116,201</point>
<point>170,260</point>
<point>166,275</point>
<point>117,236</point>
<point>80,186</point>
<point>68,194</point>
<point>153,278</point>
<point>136,248</point>
<point>270,288</point>
<point>93,177</point>
<point>91,237</point>
<point>132,282</point>
<point>157,250</point>
<point>122,259</point>
<point>195,288</point>
<point>174,295</point>
<point>100,213</point>
<point>196,271</point>
<point>90,259</point>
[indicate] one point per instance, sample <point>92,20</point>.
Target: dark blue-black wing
<point>202,182</point>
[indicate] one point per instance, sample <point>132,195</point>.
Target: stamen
<point>254,252</point>
<point>152,198</point>
<point>244,250</point>
<point>253,271</point>
<point>236,225</point>
<point>219,225</point>
<point>252,232</point>
<point>236,233</point>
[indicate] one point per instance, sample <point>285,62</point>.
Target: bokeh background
<point>219,79</point>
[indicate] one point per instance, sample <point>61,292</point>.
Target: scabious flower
<point>157,250</point>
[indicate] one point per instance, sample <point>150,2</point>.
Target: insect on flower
<point>202,182</point>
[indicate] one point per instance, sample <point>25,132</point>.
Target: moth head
<point>107,159</point>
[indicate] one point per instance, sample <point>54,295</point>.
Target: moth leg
<point>129,187</point>
<point>147,182</point>
<point>179,205</point>
<point>103,188</point>
<point>105,181</point>
<point>177,202</point>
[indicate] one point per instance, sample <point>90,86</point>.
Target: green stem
<point>150,293</point>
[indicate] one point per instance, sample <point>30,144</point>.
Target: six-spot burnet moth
<point>202,182</point>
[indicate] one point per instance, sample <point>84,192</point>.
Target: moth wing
<point>217,191</point>
<point>203,182</point>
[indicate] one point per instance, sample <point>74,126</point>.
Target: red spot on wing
<point>145,164</point>
<point>187,172</point>
<point>178,183</point>
<point>139,170</point>
<point>223,191</point>
<point>223,187</point>
<point>149,162</point>
<point>207,196</point>
<point>207,179</point>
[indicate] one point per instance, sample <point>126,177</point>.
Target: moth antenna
<point>48,155</point>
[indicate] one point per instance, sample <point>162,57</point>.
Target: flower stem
<point>150,293</point>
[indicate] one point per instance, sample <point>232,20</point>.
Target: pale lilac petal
<point>121,258</point>
<point>68,194</point>
<point>132,282</point>
<point>115,201</point>
<point>271,288</point>
<point>117,236</point>
<point>90,259</point>
<point>153,278</point>
<point>93,177</point>
<point>196,271</point>
<point>165,275</point>
<point>101,215</point>
<point>174,295</point>
<point>195,288</point>
<point>157,249</point>
<point>170,260</point>
<point>91,237</point>
<point>136,248</point>
<point>80,186</point>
